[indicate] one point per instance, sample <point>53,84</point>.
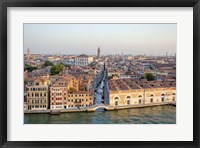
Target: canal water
<point>148,115</point>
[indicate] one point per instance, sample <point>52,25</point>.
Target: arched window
<point>151,95</point>
<point>163,95</point>
<point>116,98</point>
<point>140,96</point>
<point>128,97</point>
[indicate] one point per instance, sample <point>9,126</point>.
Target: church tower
<point>98,53</point>
<point>29,54</point>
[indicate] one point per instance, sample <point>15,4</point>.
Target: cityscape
<point>99,88</point>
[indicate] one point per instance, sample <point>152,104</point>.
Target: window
<point>116,98</point>
<point>128,102</point>
<point>128,97</point>
<point>140,96</point>
<point>163,97</point>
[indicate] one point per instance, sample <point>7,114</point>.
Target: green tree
<point>25,82</point>
<point>149,76</point>
<point>29,68</point>
<point>47,63</point>
<point>56,69</point>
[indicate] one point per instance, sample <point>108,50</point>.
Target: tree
<point>47,63</point>
<point>56,69</point>
<point>25,82</point>
<point>29,68</point>
<point>149,76</point>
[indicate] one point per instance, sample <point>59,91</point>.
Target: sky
<point>135,39</point>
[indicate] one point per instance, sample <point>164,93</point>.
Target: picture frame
<point>99,3</point>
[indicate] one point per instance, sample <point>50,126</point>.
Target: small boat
<point>56,112</point>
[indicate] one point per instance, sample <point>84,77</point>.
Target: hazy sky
<point>150,39</point>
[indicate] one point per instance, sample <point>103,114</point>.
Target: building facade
<point>68,92</point>
<point>79,99</point>
<point>38,94</point>
<point>58,94</point>
<point>83,60</point>
<point>125,92</point>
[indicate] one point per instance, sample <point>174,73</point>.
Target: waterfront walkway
<point>95,107</point>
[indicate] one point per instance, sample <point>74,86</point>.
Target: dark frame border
<point>99,3</point>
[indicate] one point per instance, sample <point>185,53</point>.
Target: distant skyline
<point>149,39</point>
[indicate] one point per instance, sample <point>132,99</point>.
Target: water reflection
<point>149,115</point>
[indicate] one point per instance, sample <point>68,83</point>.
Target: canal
<point>148,115</point>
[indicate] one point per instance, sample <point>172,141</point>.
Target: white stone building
<point>83,60</point>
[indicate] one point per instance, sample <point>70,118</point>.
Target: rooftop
<point>130,84</point>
